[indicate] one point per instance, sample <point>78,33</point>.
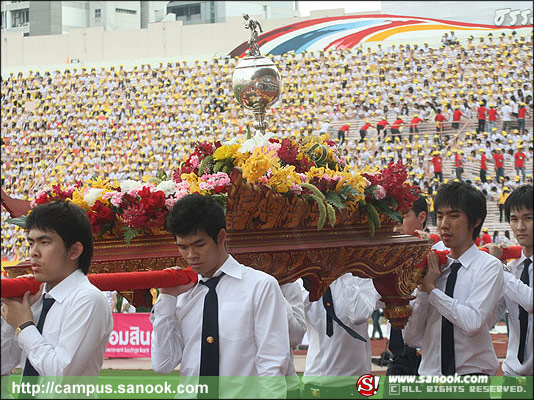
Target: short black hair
<point>519,198</point>
<point>193,213</point>
<point>461,196</point>
<point>70,222</point>
<point>419,206</point>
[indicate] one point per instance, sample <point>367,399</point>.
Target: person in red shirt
<point>437,163</point>
<point>342,133</point>
<point>459,164</point>
<point>381,126</point>
<point>395,127</point>
<point>483,166</point>
<point>440,122</point>
<point>519,161</point>
<point>486,237</point>
<point>498,159</point>
<point>363,130</point>
<point>481,118</point>
<point>521,113</point>
<point>493,114</point>
<point>414,126</point>
<point>456,118</point>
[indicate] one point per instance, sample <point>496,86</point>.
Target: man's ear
<point>478,221</point>
<point>422,217</point>
<point>75,250</point>
<point>221,237</point>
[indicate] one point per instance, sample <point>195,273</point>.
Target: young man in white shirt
<point>405,358</point>
<point>517,294</point>
<point>335,357</point>
<point>247,336</point>
<point>69,339</point>
<point>456,302</point>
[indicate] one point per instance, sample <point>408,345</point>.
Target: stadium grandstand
<point>129,120</point>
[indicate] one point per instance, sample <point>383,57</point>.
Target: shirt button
<point>210,339</point>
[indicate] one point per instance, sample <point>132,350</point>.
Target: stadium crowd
<point>129,123</point>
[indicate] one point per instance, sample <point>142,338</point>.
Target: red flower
<point>100,215</point>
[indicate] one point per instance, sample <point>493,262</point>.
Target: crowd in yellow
<point>129,123</point>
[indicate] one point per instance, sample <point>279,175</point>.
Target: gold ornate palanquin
<point>278,234</point>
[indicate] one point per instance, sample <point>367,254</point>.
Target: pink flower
<point>194,161</point>
<point>379,193</point>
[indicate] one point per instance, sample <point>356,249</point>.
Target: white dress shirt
<point>471,311</point>
<point>516,294</point>
<point>75,333</point>
<point>297,326</point>
<point>253,327</point>
<point>331,360</point>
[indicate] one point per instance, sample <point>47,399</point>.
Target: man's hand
<point>423,235</point>
<point>176,290</point>
<point>432,274</point>
<point>33,297</point>
<point>17,311</point>
<point>495,249</point>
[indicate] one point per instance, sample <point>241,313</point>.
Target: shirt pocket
<point>235,321</point>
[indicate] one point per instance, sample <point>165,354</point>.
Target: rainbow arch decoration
<point>348,31</point>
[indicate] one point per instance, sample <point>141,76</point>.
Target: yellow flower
<point>284,178</point>
<point>315,172</point>
<point>98,183</point>
<point>257,165</point>
<point>225,152</point>
<point>77,198</point>
<point>192,179</point>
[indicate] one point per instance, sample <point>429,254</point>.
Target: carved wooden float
<point>278,235</point>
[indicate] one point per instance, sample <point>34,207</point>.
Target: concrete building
<point>205,12</point>
<point>34,18</point>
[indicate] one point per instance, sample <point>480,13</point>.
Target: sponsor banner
<point>131,336</point>
<point>172,386</point>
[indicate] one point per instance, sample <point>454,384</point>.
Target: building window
<point>98,12</point>
<point>20,18</point>
<point>186,11</point>
<point>4,22</point>
<point>125,11</point>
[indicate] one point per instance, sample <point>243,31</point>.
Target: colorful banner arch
<point>348,31</point>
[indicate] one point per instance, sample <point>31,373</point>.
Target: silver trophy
<point>256,80</point>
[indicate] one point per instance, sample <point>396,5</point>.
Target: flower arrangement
<point>311,167</point>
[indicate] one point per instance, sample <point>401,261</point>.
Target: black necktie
<point>331,316</point>
<point>209,353</point>
<point>47,304</point>
<point>396,342</point>
<point>448,361</point>
<point>523,316</point>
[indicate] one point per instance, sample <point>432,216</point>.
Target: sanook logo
<point>367,385</point>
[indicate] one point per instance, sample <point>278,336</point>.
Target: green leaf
<point>19,221</point>
<point>335,199</point>
<point>249,135</point>
<point>205,165</point>
<point>373,214</point>
<point>393,214</point>
<point>161,175</point>
<point>314,189</point>
<point>129,234</point>
<point>331,215</point>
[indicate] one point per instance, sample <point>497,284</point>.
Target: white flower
<point>130,184</point>
<point>167,187</point>
<point>258,140</point>
<point>92,195</point>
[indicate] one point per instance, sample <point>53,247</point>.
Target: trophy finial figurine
<point>253,25</point>
<point>256,80</point>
